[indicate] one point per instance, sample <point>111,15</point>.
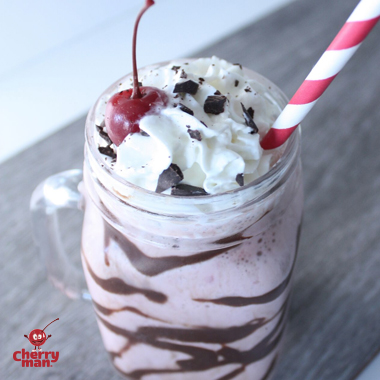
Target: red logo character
<point>38,337</point>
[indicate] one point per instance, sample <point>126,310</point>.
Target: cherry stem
<point>51,323</point>
<point>136,94</point>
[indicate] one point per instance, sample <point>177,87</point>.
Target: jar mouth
<point>258,188</point>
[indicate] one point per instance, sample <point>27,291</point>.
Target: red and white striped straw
<point>342,48</point>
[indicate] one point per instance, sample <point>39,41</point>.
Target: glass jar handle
<point>57,192</point>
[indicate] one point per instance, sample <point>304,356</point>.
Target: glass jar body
<point>191,296</point>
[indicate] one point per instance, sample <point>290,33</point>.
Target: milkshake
<point>191,230</point>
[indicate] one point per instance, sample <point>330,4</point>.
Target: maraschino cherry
<point>126,108</point>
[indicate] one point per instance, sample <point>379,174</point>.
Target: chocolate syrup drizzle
<point>117,286</point>
<point>152,266</point>
<point>108,311</point>
<point>200,358</point>
<point>258,300</point>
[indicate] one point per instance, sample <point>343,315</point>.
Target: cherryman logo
<point>35,359</point>
<point>41,358</point>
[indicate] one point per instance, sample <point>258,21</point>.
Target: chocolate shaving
<point>249,120</point>
<point>203,123</point>
<point>251,112</point>
<point>188,87</point>
<point>183,74</point>
<point>143,133</point>
<point>183,108</point>
<point>236,83</point>
<point>194,134</point>
<point>248,89</point>
<point>214,104</point>
<point>240,179</point>
<point>169,177</point>
<point>187,190</point>
<point>201,79</point>
<point>101,126</point>
<point>217,92</point>
<point>104,136</point>
<point>176,68</point>
<point>108,151</point>
<point>102,133</point>
<point>238,64</point>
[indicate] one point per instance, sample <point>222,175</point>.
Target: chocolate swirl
<point>117,286</point>
<point>201,358</point>
<point>152,266</point>
<point>238,301</point>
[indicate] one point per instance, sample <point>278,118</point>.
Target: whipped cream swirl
<point>214,151</point>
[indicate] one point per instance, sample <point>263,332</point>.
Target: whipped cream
<point>213,151</point>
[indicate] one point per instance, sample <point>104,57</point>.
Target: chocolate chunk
<point>102,133</point>
<point>248,89</point>
<point>194,134</point>
<point>104,136</point>
<point>169,177</point>
<point>251,111</point>
<point>189,87</point>
<point>214,104</point>
<point>176,68</point>
<point>217,92</point>
<point>236,83</point>
<point>143,133</point>
<point>187,190</point>
<point>203,123</point>
<point>249,120</point>
<point>99,128</point>
<point>183,74</point>
<point>240,179</point>
<point>108,151</point>
<point>183,108</point>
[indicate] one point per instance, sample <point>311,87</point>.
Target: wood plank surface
<point>334,326</point>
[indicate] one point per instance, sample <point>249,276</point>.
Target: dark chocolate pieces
<point>240,179</point>
<point>194,134</point>
<point>169,177</point>
<point>183,108</point>
<point>106,150</point>
<point>248,117</point>
<point>214,104</point>
<point>188,87</point>
<point>187,190</point>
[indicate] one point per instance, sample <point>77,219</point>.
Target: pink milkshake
<point>190,271</point>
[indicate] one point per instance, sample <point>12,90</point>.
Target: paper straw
<point>342,48</point>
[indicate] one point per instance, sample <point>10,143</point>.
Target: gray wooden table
<point>334,327</point>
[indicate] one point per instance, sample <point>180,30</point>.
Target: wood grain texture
<point>334,325</point>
